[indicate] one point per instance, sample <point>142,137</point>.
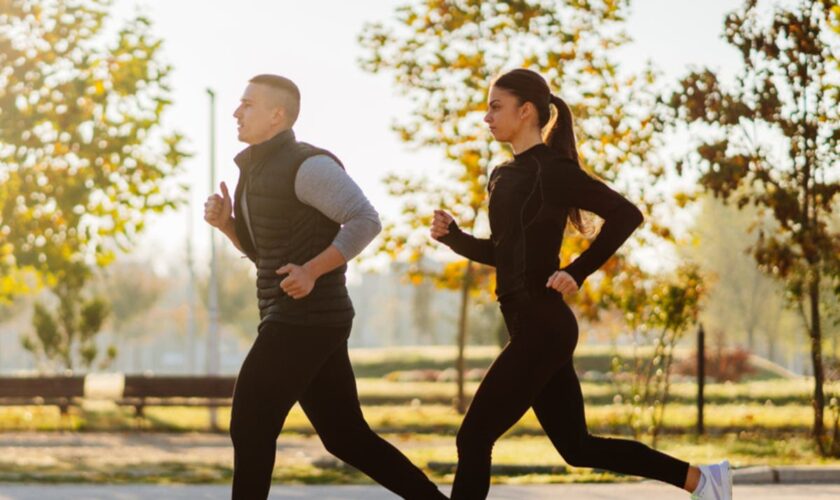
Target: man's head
<point>269,105</point>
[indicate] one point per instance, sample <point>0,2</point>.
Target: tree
<point>66,338</point>
<point>659,313</point>
<point>83,158</point>
<point>773,141</point>
<point>442,56</point>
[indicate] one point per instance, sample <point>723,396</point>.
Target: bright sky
<point>222,44</point>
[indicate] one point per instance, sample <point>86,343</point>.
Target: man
<point>298,215</point>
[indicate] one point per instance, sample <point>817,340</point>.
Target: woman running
<point>531,198</point>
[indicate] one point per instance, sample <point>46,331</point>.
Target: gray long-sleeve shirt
<point>325,186</point>
<point>322,184</point>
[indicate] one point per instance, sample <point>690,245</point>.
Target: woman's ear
<point>523,110</point>
<point>527,110</point>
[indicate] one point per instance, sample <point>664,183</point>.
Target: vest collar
<point>255,153</point>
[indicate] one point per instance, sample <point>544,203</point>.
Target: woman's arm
<point>566,184</point>
<point>466,245</point>
<point>446,230</point>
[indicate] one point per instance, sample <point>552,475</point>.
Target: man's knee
<point>472,439</point>
<point>250,429</point>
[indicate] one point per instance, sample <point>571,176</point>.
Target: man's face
<point>259,115</point>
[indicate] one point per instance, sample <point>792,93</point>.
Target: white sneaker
<point>717,484</point>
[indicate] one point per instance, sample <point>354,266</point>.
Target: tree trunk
<point>460,364</point>
<point>816,359</point>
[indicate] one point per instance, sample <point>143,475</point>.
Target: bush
<point>722,365</point>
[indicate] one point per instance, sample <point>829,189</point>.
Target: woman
<point>531,198</point>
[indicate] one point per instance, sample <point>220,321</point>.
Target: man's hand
<point>562,282</point>
<point>440,224</point>
<point>218,209</point>
<point>299,282</point>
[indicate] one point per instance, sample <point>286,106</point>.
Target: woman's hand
<point>562,282</point>
<point>440,224</point>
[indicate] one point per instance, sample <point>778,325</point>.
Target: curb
<point>799,474</point>
<point>761,474</point>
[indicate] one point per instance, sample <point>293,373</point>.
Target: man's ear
<point>279,115</point>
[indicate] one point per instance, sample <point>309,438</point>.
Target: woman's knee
<point>577,453</point>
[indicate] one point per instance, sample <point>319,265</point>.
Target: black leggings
<point>535,370</point>
<point>310,365</point>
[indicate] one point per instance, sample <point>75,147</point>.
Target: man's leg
<point>280,365</point>
<point>332,404</point>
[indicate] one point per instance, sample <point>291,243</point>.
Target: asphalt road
<point>646,491</point>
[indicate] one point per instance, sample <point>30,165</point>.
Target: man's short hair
<point>290,94</point>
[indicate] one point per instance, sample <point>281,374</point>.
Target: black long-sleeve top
<point>530,198</point>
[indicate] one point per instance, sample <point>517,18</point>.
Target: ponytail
<point>561,138</point>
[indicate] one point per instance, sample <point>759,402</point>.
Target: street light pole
<point>213,292</point>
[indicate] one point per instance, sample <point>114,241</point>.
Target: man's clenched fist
<point>218,209</point>
<point>299,282</point>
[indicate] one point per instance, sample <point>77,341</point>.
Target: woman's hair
<point>529,86</point>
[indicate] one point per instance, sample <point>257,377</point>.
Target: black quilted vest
<point>286,231</point>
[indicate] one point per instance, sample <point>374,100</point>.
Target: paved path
<point>646,491</point>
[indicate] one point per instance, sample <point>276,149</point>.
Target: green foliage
<point>659,316</point>
<point>83,158</point>
<point>65,336</point>
<point>773,141</point>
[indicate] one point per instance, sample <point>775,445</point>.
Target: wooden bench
<point>61,390</point>
<point>176,390</point>
<point>139,391</point>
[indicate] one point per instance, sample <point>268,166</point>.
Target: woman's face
<point>505,116</point>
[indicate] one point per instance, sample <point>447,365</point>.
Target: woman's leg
<point>332,404</point>
<point>543,337</point>
<point>559,408</point>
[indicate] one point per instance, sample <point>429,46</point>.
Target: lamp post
<point>213,292</point>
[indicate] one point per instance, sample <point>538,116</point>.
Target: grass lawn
<point>767,420</point>
<point>761,421</point>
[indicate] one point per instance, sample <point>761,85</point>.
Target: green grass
<point>767,420</point>
<point>378,362</point>
<point>378,391</point>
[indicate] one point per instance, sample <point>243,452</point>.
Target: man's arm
<point>300,280</point>
<point>218,212</point>
<point>322,184</point>
<point>229,229</point>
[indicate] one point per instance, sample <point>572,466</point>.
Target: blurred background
<point>713,332</point>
